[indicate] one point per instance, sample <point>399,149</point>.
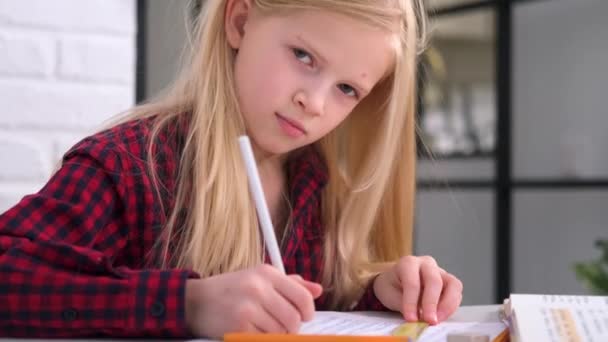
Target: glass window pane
<point>560,77</point>
<point>445,3</point>
<point>460,169</point>
<point>457,85</point>
<point>456,228</point>
<point>165,38</point>
<point>552,230</point>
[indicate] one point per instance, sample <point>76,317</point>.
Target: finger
<point>252,328</point>
<point>296,294</point>
<point>315,289</point>
<point>292,290</point>
<point>283,312</point>
<point>266,322</point>
<point>252,317</point>
<point>246,328</point>
<point>432,285</point>
<point>392,294</point>
<point>408,272</point>
<point>451,296</point>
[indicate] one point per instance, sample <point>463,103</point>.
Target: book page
<point>440,332</point>
<point>560,318</point>
<point>367,323</point>
<point>351,323</point>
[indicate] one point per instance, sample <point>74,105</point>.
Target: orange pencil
<point>242,337</point>
<point>503,337</point>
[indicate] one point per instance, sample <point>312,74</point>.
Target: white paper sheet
<point>557,318</point>
<point>439,333</point>
<point>367,323</point>
<point>349,323</point>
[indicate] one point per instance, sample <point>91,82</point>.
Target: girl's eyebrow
<point>362,90</point>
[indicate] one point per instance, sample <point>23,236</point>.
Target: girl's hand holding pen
<point>260,299</point>
<point>419,289</point>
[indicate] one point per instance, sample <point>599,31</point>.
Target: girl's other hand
<point>419,289</point>
<point>261,299</point>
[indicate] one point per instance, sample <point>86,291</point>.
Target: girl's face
<point>299,76</point>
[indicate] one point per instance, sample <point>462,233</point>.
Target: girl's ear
<point>237,12</point>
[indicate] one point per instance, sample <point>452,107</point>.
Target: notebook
<point>381,326</point>
<point>534,318</point>
<point>387,324</point>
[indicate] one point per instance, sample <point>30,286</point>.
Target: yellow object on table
<point>411,330</point>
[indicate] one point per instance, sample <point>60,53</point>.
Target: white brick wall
<point>65,67</point>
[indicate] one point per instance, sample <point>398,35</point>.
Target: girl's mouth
<point>292,128</point>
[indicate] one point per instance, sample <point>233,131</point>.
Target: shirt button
<point>69,314</point>
<point>157,309</point>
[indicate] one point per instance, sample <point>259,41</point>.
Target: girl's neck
<point>265,159</point>
<point>274,181</point>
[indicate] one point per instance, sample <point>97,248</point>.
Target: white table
<point>475,313</point>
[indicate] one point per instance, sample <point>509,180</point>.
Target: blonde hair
<point>368,201</point>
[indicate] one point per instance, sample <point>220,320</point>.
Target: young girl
<point>148,228</point>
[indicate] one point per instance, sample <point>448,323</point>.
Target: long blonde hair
<point>368,201</point>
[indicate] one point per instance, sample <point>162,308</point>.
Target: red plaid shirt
<point>72,256</point>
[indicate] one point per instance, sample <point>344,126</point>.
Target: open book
<point>557,318</point>
<point>470,323</point>
<point>379,324</point>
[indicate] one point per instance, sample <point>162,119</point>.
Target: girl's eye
<point>348,90</point>
<point>302,55</point>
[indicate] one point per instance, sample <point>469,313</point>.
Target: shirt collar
<point>306,166</point>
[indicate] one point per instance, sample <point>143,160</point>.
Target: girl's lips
<point>290,127</point>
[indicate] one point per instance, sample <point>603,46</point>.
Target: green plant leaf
<point>594,274</point>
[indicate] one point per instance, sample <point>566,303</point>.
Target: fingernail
<point>441,315</point>
<point>430,317</point>
<point>411,316</point>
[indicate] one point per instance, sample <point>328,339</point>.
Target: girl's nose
<point>311,102</point>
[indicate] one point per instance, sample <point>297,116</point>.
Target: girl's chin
<point>276,147</point>
<point>277,144</point>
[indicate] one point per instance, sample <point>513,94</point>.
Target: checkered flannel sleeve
<point>57,249</point>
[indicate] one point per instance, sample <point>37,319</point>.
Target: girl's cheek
<point>340,106</point>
